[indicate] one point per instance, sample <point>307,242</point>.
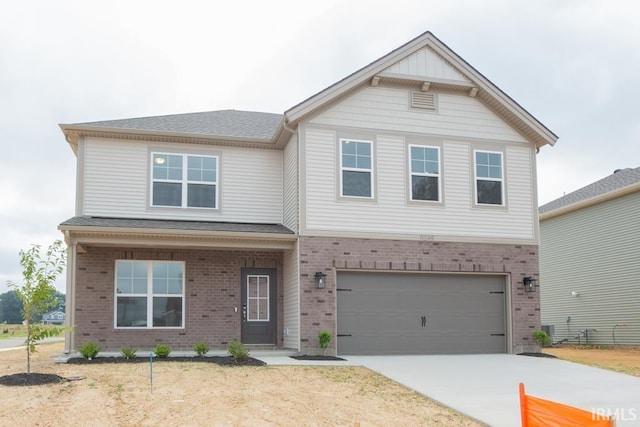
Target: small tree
<point>37,292</point>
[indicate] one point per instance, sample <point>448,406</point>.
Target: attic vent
<point>423,101</point>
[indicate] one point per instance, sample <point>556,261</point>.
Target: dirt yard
<point>619,359</point>
<point>206,394</point>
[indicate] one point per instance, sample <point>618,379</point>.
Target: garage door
<point>393,313</point>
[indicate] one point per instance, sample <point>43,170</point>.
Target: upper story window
<point>489,178</point>
<point>149,294</point>
<point>356,168</point>
<point>184,180</point>
<point>425,173</point>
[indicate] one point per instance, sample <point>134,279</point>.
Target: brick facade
<point>212,291</point>
<point>318,306</point>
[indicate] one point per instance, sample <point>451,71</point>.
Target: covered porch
<point>138,283</point>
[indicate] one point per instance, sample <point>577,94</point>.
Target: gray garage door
<point>401,313</point>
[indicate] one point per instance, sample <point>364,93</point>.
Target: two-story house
<point>395,209</point>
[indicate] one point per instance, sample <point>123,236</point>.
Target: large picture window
<point>489,178</point>
<point>356,168</point>
<point>149,294</point>
<point>425,173</point>
<point>184,180</point>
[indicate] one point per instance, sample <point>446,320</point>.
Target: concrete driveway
<point>485,387</point>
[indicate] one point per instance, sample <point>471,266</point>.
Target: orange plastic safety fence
<point>536,412</point>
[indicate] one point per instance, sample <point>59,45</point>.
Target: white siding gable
<point>116,182</point>
<point>425,63</point>
<point>387,108</point>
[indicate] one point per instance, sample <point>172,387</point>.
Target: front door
<point>258,306</point>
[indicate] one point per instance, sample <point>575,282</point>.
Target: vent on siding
<point>423,101</point>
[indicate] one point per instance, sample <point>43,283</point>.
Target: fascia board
<point>79,129</point>
<point>176,233</point>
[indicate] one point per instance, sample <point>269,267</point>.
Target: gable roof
<point>621,182</point>
<point>466,78</point>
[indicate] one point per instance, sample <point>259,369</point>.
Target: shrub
<point>238,351</point>
<point>162,350</point>
<point>324,338</point>
<point>128,352</point>
<point>89,350</point>
<point>201,348</point>
<point>541,338</point>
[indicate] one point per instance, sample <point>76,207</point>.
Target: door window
<point>257,298</point>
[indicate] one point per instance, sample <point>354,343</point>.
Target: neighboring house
<point>53,318</point>
<point>590,262</point>
<point>410,184</point>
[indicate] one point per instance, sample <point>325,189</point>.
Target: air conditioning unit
<point>549,329</point>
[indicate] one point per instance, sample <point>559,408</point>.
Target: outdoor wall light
<point>575,294</point>
<point>320,279</point>
<point>529,284</point>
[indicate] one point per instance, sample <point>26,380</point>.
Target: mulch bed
<point>219,360</point>
<point>316,357</point>
<point>23,379</point>
<point>550,356</point>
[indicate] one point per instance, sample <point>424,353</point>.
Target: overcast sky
<point>574,65</point>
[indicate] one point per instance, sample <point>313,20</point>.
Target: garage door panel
<point>389,313</point>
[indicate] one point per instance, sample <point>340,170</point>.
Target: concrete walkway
<point>485,387</point>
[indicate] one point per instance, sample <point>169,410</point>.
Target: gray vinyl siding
<point>291,301</point>
<point>290,185</point>
<point>390,213</point>
<point>594,251</point>
<point>116,182</point>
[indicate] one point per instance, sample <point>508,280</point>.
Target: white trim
<point>149,295</point>
<point>185,181</point>
<point>356,169</point>
<point>501,180</point>
<point>426,174</point>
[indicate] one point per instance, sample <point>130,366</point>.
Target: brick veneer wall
<point>212,291</point>
<point>318,306</point>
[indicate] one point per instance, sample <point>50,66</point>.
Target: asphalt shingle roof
<point>620,179</point>
<point>87,221</point>
<point>229,123</point>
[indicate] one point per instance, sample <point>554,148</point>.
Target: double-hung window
<point>149,294</point>
<point>425,173</point>
<point>356,168</point>
<point>184,180</point>
<point>489,178</point>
